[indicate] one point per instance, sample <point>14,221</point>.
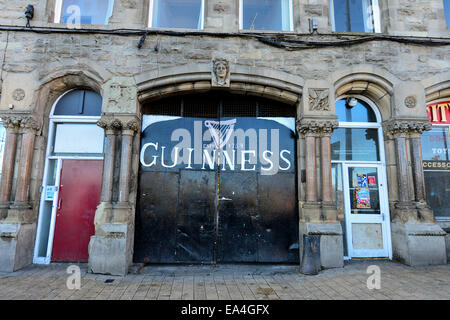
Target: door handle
<point>59,203</point>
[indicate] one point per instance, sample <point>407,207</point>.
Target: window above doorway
<point>447,12</point>
<point>355,15</point>
<point>176,14</point>
<point>271,15</point>
<point>78,12</point>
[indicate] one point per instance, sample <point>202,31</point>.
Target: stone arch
<point>55,85</point>
<point>437,89</point>
<point>378,87</point>
<point>262,82</point>
<point>50,88</point>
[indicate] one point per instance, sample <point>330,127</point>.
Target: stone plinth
<point>418,244</point>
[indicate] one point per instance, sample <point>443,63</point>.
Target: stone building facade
<point>398,71</point>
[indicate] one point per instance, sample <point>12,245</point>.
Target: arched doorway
<point>359,176</point>
<point>217,181</point>
<point>72,179</point>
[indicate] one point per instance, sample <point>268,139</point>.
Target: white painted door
<point>366,211</point>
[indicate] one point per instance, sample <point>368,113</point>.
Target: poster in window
<point>372,181</point>
<point>363,198</point>
<point>362,180</point>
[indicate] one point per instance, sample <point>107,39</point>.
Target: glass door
<point>366,211</point>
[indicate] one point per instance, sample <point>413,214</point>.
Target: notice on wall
<point>362,180</point>
<point>362,198</point>
<point>50,193</point>
<point>372,181</point>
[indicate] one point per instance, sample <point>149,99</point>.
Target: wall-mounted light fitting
<point>29,14</point>
<point>313,25</point>
<point>351,102</point>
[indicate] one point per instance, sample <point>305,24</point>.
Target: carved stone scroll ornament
<point>221,73</point>
<point>319,99</point>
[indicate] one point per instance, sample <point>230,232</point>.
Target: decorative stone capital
<point>30,124</point>
<point>26,123</point>
<point>133,125</point>
<point>114,123</point>
<point>402,128</point>
<point>110,125</point>
<point>11,123</point>
<point>316,127</point>
<point>130,128</point>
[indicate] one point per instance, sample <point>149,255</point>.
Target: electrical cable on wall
<point>4,59</point>
<point>275,39</point>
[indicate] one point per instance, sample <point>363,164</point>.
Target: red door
<point>79,196</point>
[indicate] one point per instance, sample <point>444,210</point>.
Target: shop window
<point>77,12</point>
<point>355,15</point>
<point>2,145</point>
<point>79,103</point>
<point>176,14</point>
<point>447,12</point>
<point>78,137</point>
<point>357,139</point>
<point>436,165</point>
<point>354,110</point>
<point>348,144</point>
<point>2,142</point>
<point>266,15</point>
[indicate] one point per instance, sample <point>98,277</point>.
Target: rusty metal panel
<point>156,217</point>
<point>238,212</point>
<point>196,230</point>
<point>277,218</point>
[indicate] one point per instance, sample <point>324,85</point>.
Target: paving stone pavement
<point>230,282</point>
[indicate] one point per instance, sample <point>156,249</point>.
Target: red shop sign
<point>439,113</point>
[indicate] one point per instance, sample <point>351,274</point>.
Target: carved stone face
<point>221,71</point>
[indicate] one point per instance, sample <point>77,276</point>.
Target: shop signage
<point>436,165</point>
<point>264,145</point>
<point>439,113</point>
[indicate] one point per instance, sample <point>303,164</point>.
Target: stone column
<point>329,211</point>
<point>423,209</point>
<point>404,208</point>
<point>109,156</point>
<point>416,238</point>
<point>320,217</point>
<point>9,157</point>
<point>21,210</point>
<point>310,166</point>
<point>17,231</point>
<point>111,249</point>
<point>125,163</point>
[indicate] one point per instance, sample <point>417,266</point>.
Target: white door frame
<point>54,120</point>
<point>383,218</point>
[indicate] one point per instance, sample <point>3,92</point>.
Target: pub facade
<point>211,131</point>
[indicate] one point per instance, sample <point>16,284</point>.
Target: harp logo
<point>221,131</point>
